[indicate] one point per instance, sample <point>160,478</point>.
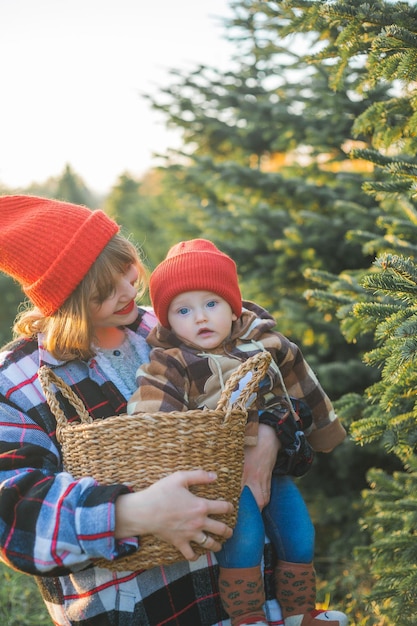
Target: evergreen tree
<point>68,186</point>
<point>381,302</point>
<point>267,170</point>
<point>151,211</point>
<point>71,187</point>
<point>10,301</point>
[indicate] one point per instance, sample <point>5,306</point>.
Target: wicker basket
<point>140,449</point>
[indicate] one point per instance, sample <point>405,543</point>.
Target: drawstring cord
<point>275,368</point>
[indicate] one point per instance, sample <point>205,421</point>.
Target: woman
<point>82,277</point>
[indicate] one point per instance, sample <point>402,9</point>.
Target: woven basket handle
<point>47,377</point>
<point>257,364</point>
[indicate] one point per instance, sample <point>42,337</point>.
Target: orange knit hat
<point>195,265</point>
<point>48,246</point>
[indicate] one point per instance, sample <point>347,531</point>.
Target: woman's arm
<point>259,464</point>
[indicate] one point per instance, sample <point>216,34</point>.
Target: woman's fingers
<point>168,510</point>
<point>218,528</point>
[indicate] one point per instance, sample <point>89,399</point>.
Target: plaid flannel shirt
<point>51,525</point>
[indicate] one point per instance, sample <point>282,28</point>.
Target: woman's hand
<point>168,510</point>
<point>259,463</point>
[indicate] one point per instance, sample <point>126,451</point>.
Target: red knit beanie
<point>195,265</point>
<point>48,246</point>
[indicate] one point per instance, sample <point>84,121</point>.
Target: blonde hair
<point>69,333</point>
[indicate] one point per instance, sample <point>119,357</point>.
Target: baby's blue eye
<point>211,304</point>
<point>183,310</point>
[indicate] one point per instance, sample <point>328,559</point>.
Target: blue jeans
<point>285,520</point>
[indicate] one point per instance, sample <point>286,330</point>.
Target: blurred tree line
<point>299,161</point>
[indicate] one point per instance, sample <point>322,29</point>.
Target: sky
<point>72,73</point>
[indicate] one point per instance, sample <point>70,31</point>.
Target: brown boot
<point>295,585</point>
<point>243,595</point>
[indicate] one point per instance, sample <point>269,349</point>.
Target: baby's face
<point>201,318</point>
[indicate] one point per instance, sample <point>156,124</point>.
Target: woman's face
<point>118,309</point>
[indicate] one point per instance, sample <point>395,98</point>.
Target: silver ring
<point>203,543</point>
